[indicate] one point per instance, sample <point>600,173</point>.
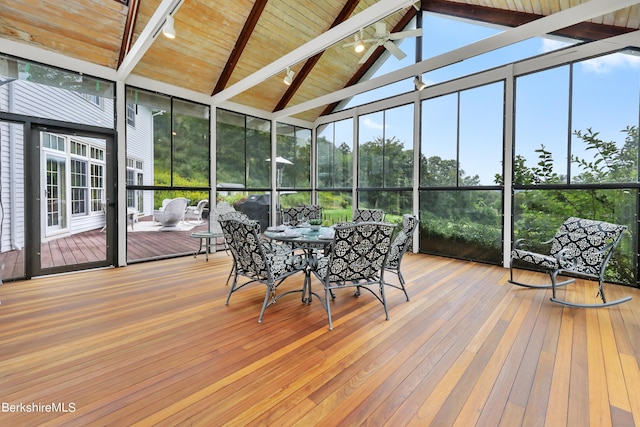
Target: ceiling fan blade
<point>367,54</point>
<point>395,50</point>
<point>404,34</point>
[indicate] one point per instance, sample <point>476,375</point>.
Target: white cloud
<point>370,124</point>
<point>606,64</point>
<point>549,45</point>
<point>601,65</point>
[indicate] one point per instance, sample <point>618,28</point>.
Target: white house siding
<point>39,100</point>
<point>11,211</point>
<point>64,105</point>
<point>140,147</point>
<point>58,104</point>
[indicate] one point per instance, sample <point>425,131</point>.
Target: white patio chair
<point>172,214</point>
<point>195,212</point>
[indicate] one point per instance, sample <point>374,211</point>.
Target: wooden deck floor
<point>89,246</point>
<point>154,344</point>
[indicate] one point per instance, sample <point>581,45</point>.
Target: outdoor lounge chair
<point>580,247</point>
<point>195,212</point>
<point>172,214</point>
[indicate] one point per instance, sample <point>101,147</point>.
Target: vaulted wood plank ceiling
<point>222,43</point>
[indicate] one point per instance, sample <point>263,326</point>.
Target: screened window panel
<point>481,135</point>
<point>439,159</point>
<point>542,114</point>
<point>604,105</point>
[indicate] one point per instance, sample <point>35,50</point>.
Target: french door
<point>69,202</point>
<point>55,196</point>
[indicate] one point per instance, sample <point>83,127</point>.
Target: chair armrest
<point>518,244</point>
<point>564,259</point>
<point>522,243</point>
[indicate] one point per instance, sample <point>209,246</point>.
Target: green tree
<point>539,211</point>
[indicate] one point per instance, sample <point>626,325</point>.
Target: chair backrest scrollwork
<point>292,215</point>
<point>242,236</point>
<point>359,252</point>
<point>363,215</point>
<point>587,244</point>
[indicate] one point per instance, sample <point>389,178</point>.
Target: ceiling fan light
<point>359,45</point>
<point>417,81</point>
<point>168,30</point>
<point>289,77</point>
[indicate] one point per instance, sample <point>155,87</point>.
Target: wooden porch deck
<point>154,344</point>
<point>89,246</point>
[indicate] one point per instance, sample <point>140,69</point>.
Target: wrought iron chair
<point>254,259</point>
<point>241,215</point>
<point>362,215</point>
<point>398,248</point>
<point>232,215</point>
<point>292,215</point>
<point>357,258</point>
<point>281,248</point>
<point>580,247</point>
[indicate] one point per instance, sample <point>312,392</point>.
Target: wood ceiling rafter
<point>310,63</point>
<point>129,27</point>
<point>241,43</point>
<point>400,26</point>
<point>587,31</point>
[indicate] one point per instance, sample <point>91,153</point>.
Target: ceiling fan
<point>382,37</point>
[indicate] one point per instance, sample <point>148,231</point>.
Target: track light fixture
<point>289,77</point>
<point>168,30</point>
<point>419,83</point>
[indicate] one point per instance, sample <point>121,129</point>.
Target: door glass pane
<point>73,209</point>
<point>55,197</point>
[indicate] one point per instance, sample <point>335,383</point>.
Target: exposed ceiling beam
<point>129,27</point>
<point>241,43</point>
<point>147,36</point>
<point>588,31</point>
<point>367,17</point>
<point>344,14</point>
<point>539,27</point>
